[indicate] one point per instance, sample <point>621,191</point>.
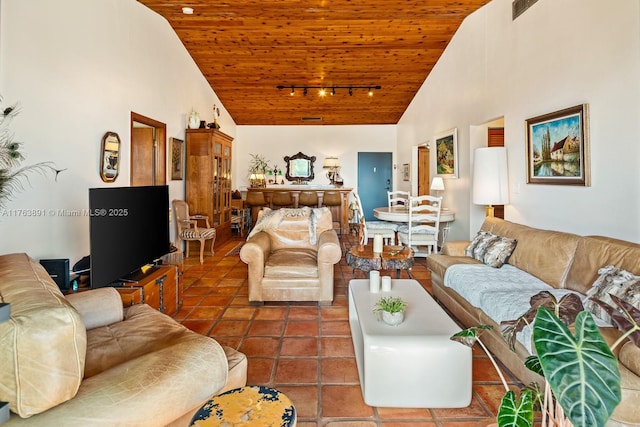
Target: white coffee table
<point>415,364</point>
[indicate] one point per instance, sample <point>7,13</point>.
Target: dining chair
<point>386,228</point>
<point>422,230</point>
<point>187,228</point>
<point>398,197</point>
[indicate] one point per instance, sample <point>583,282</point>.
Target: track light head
<point>350,91</point>
<point>333,91</point>
<point>293,91</point>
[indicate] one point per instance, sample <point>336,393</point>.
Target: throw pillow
<point>499,251</point>
<point>491,249</point>
<point>612,281</point>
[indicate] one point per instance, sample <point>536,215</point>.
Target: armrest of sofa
<point>98,307</point>
<point>329,250</point>
<point>147,391</point>
<point>255,253</point>
<point>455,248</point>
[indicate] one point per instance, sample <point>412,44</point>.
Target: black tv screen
<point>129,228</point>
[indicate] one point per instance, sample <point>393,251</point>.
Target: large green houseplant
<point>582,381</point>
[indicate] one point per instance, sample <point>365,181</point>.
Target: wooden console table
<point>339,213</point>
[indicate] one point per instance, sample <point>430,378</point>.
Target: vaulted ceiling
<point>246,48</point>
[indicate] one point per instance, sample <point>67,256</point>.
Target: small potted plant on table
<point>392,309</point>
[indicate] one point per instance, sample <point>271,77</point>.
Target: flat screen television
<point>129,229</point>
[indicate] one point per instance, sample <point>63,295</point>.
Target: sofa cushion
<point>292,263</point>
<point>43,345</point>
<point>592,253</point>
<point>490,249</point>
<point>613,281</point>
<point>545,254</point>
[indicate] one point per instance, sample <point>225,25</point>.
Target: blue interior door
<point>374,180</point>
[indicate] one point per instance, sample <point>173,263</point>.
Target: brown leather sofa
<point>291,254</point>
<point>564,261</point>
<point>84,360</point>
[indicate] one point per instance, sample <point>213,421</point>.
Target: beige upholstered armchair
<point>291,254</point>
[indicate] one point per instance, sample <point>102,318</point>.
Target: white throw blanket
<point>271,219</point>
<point>502,293</point>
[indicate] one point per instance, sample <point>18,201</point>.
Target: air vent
<point>311,119</point>
<point>518,7</point>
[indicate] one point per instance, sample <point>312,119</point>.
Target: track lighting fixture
<point>323,89</point>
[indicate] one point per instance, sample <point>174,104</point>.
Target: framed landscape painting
<point>447,153</point>
<point>558,147</point>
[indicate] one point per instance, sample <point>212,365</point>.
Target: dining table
<point>401,214</point>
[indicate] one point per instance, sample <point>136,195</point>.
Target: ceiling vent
<point>518,7</point>
<point>311,119</point>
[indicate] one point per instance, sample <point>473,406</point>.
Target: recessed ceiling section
<point>246,48</point>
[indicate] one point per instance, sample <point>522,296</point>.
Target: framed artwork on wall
<point>176,148</point>
<point>447,153</point>
<point>406,170</point>
<point>558,148</point>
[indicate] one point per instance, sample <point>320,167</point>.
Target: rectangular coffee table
<point>414,364</point>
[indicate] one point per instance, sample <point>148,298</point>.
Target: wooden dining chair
<point>386,228</point>
<point>422,231</point>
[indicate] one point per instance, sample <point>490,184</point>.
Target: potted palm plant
<point>392,310</point>
<point>582,381</point>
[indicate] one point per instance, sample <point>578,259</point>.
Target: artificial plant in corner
<point>582,381</point>
<point>12,176</point>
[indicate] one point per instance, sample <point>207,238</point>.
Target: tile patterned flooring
<point>306,351</point>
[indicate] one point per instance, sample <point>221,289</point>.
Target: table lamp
<point>490,177</point>
<point>437,185</point>
<point>331,163</point>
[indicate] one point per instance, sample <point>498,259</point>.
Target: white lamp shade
<point>437,184</point>
<point>331,162</point>
<point>490,177</point>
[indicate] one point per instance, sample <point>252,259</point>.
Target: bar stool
<point>256,201</point>
<point>333,200</point>
<point>281,199</point>
<point>308,198</point>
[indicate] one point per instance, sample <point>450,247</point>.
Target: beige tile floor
<point>305,350</point>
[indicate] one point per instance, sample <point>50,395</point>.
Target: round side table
<point>247,406</point>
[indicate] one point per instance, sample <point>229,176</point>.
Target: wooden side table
<point>247,406</point>
<point>392,258</point>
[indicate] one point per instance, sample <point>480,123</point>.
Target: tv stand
<point>157,286</point>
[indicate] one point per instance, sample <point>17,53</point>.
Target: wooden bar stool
<point>333,200</point>
<point>281,199</point>
<point>308,198</point>
<point>255,200</point>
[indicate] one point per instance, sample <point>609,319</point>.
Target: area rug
<point>235,251</point>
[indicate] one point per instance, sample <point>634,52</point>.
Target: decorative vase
<point>393,319</point>
<point>194,120</point>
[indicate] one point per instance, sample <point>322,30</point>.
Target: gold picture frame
<point>558,147</point>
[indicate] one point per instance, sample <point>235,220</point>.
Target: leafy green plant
<point>12,176</point>
<point>258,164</point>
<point>582,381</point>
<point>390,305</point>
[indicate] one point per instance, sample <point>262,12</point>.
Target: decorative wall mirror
<point>299,167</point>
<point>110,157</point>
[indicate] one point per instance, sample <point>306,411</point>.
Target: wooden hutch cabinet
<point>208,179</point>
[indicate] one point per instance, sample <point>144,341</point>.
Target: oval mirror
<point>110,162</point>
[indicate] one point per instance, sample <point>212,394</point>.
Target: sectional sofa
<point>477,293</point>
<point>83,360</point>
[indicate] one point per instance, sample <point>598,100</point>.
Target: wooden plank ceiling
<point>246,48</point>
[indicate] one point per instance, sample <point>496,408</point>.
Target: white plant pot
<point>393,319</point>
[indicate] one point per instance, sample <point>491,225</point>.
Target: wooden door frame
<point>160,159</point>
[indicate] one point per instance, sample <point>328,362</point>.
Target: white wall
<point>558,54</point>
<point>344,142</point>
<point>78,69</point>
